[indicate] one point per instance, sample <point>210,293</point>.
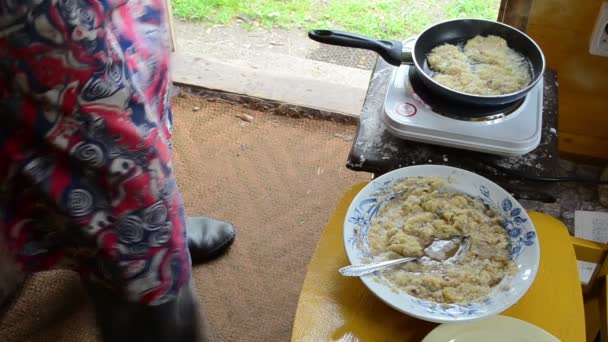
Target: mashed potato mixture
<point>484,66</point>
<point>424,211</point>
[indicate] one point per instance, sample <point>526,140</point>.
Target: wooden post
<point>604,310</point>
<point>170,23</point>
<point>515,13</point>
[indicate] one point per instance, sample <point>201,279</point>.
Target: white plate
<point>524,244</point>
<point>495,329</point>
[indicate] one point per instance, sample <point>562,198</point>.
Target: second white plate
<point>495,329</point>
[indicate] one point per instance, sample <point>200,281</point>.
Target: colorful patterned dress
<point>86,180</point>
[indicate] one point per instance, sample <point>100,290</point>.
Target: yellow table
<point>335,308</point>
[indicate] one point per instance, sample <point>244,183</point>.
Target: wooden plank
<point>169,8</point>
<point>515,13</point>
<point>592,314</point>
<point>584,117</point>
<point>589,251</point>
<point>562,29</point>
<point>583,145</point>
<point>564,14</point>
<point>502,9</point>
<point>594,252</point>
<point>563,46</point>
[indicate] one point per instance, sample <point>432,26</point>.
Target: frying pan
<point>452,32</point>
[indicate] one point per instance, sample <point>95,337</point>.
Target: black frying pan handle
<point>390,50</point>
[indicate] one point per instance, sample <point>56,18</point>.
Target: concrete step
<point>263,73</point>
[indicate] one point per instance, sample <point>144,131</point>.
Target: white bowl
<point>524,244</point>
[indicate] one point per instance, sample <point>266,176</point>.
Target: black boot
<point>207,237</point>
<point>119,320</point>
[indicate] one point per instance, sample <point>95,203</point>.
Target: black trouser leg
<point>11,279</point>
<point>119,320</point>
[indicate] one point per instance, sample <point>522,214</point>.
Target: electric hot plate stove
<point>412,112</point>
<point>376,150</point>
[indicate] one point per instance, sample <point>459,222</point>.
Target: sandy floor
<point>276,178</point>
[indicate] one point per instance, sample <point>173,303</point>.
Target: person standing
<point>86,179</point>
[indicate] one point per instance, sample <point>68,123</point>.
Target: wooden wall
<point>563,29</point>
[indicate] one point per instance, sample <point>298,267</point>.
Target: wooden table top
<point>335,308</point>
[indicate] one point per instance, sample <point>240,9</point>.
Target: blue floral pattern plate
<point>524,246</point>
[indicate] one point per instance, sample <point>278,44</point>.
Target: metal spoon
<point>439,250</point>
